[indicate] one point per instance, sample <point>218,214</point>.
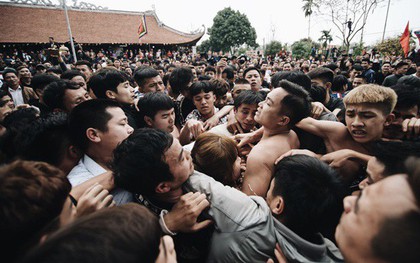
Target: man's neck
<point>208,116</point>
<point>275,131</point>
<point>15,87</point>
<point>171,197</point>
<point>102,159</point>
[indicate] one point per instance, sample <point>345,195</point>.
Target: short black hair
<point>297,103</point>
<point>55,70</point>
<point>407,96</point>
<point>331,66</point>
<point>296,77</point>
<point>220,87</point>
<point>89,114</point>
<point>139,164</point>
<point>366,60</point>
<point>54,93</point>
<point>180,78</point>
<point>129,233</point>
<point>241,81</point>
<point>311,191</point>
<point>151,103</point>
<point>84,62</point>
<point>324,74</point>
<point>210,68</point>
<point>317,93</point>
<point>248,97</point>
<point>401,64</point>
<point>69,74</point>
<point>409,80</point>
<point>105,79</point>
<point>393,154</point>
<point>230,72</point>
<point>144,73</point>
<point>251,68</point>
<point>358,67</point>
<point>338,82</point>
<point>45,140</point>
<point>201,86</point>
<point>40,81</point>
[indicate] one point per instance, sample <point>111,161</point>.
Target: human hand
<point>294,152</point>
<point>317,109</point>
<point>280,257</point>
<point>93,199</point>
<point>411,127</point>
<point>211,122</point>
<point>195,128</point>
<point>338,158</point>
<point>245,138</point>
<point>184,214</point>
<point>233,125</point>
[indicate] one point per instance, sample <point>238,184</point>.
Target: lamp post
<point>69,30</point>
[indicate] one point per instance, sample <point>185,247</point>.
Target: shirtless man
<point>282,109</point>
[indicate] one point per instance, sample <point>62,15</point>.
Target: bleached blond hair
<point>384,97</point>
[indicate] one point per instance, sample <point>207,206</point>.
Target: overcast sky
<point>283,17</point>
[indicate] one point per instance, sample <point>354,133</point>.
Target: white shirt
<point>17,96</point>
<point>86,169</point>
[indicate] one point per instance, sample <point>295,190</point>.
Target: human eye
<point>245,112</point>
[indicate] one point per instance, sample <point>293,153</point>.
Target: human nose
<point>250,117</point>
<point>348,203</point>
<point>130,129</point>
<point>357,121</point>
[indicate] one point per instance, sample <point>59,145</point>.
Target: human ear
<point>148,121</point>
<point>93,135</point>
<point>162,188</point>
<point>278,206</point>
<point>110,94</point>
<point>389,119</point>
<point>284,121</point>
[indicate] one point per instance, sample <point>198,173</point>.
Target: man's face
<point>125,93</point>
<point>118,129</point>
<point>402,70</point>
<point>245,116</point>
<point>364,214</point>
<point>365,64</point>
<point>374,173</point>
<point>6,107</point>
<point>365,122</point>
<point>238,88</point>
<point>194,74</point>
<point>385,68</point>
<point>153,84</point>
<point>254,79</point>
<point>24,73</point>
<point>287,67</point>
<point>313,66</point>
<point>357,82</point>
<point>11,79</point>
<point>354,73</point>
<point>394,130</point>
<point>164,120</point>
<point>80,81</point>
<point>221,101</point>
<point>269,111</point>
<point>210,74</point>
<point>85,70</point>
<point>180,164</point>
<point>204,102</point>
<point>73,97</point>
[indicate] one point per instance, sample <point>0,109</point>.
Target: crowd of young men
<point>97,163</point>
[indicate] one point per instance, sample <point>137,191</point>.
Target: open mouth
<point>358,133</point>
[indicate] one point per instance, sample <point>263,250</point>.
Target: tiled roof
<point>33,24</point>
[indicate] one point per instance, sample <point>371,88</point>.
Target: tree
<point>302,48</point>
<point>230,30</point>
<point>273,48</point>
<point>308,10</point>
<point>204,47</point>
<point>392,46</point>
<point>325,38</point>
<point>348,16</point>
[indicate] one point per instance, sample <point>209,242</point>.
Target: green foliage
<point>230,30</point>
<point>302,48</point>
<point>325,38</point>
<point>390,46</point>
<point>273,48</point>
<point>204,47</point>
<point>308,6</point>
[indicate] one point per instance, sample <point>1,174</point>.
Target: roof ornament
<point>34,2</point>
<point>85,5</point>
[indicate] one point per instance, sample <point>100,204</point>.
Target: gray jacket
<point>245,230</point>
